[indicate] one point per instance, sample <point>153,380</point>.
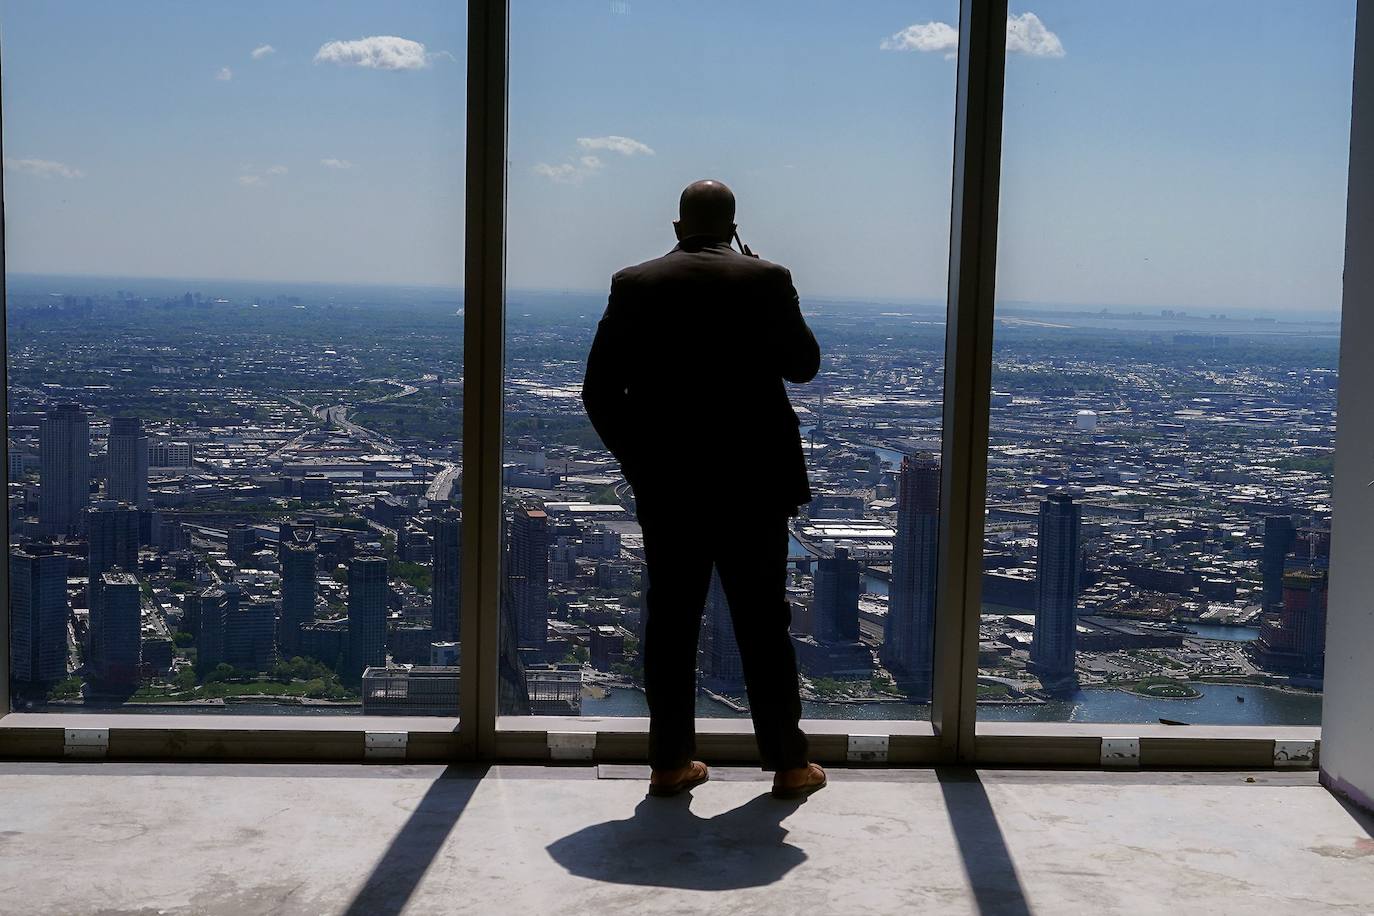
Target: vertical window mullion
<point>968,368</point>
<point>5,471</point>
<point>483,341</point>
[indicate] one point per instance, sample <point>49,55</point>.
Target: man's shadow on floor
<point>665,845</point>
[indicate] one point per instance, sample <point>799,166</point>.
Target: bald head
<point>706,208</point>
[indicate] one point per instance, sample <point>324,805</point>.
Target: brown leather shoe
<point>663,783</point>
<point>799,782</point>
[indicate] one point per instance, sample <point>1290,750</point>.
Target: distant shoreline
<point>1005,308</point>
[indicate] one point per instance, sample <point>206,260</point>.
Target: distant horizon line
<point>933,302</point>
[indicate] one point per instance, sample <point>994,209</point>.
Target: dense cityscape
<point>230,496</point>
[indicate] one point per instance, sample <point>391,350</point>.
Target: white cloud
<point>43,168</point>
<point>224,75</point>
<point>378,52</point>
<point>623,145</point>
<point>1026,34</point>
<point>564,173</point>
<point>590,164</point>
<point>262,51</point>
<point>924,36</point>
<point>259,178</point>
<point>336,163</point>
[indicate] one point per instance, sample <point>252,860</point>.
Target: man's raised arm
<point>799,354</point>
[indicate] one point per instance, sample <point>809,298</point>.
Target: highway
<point>442,487</point>
<point>337,415</point>
<point>406,390</point>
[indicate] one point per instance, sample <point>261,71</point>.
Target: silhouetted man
<point>685,386</point>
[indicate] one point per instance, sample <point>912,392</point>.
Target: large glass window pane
<point>833,124</point>
<point>1164,374</point>
<point>234,244</point>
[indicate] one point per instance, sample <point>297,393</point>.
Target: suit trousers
<point>750,556</point>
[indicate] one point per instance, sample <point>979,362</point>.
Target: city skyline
<point>318,415</point>
<point>932,310</point>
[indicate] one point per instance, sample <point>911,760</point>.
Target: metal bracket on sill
<point>867,749</point>
<point>1121,752</point>
<point>571,745</point>
<point>86,743</point>
<point>1295,753</point>
<point>384,745</point>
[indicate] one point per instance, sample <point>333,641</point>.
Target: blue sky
<point>1159,154</point>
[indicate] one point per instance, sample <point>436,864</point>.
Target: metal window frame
<point>4,441</point>
<point>953,733</point>
<point>950,733</point>
<point>968,370</point>
<point>483,358</point>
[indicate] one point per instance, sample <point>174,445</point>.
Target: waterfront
<point>1216,706</point>
<point>1224,633</point>
<point>875,585</point>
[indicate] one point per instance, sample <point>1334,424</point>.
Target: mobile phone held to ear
<point>743,248</point>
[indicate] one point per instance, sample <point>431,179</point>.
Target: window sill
<point>135,736</point>
<point>910,742</point>
<point>1080,743</point>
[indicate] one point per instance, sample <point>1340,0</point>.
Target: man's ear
<point>677,229</point>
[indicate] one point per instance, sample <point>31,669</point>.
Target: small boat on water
<point>1240,699</point>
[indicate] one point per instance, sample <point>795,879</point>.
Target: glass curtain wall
<point>1164,369</point>
<point>234,246</point>
<point>834,127</point>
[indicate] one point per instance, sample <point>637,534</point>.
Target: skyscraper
<point>242,542</point>
<point>190,614</point>
<point>1304,602</point>
<point>299,566</point>
<point>527,570</point>
<point>112,530</point>
<point>64,470</point>
<point>448,560</point>
<point>722,662</point>
<point>1292,639</point>
<point>114,657</point>
<point>1279,535</point>
<point>297,531</point>
<point>1056,594</point>
<point>909,632</point>
<point>368,589</point>
<point>127,462</point>
<point>835,604</point>
<point>38,615</point>
<point>248,632</point>
<point>216,603</point>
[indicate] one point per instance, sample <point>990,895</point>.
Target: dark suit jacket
<point>684,381</point>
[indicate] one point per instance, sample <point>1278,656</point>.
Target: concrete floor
<point>245,839</point>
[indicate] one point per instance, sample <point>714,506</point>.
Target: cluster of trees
<point>418,575</point>
<point>836,687</point>
<point>306,677</point>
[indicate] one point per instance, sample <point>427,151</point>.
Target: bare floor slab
<point>249,839</point>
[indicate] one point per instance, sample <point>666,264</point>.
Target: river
<point>1224,634</point>
<point>1216,706</point>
